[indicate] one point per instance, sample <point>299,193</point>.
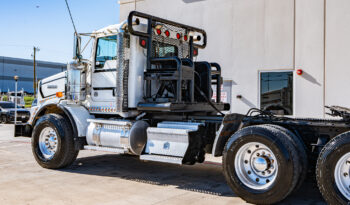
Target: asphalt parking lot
<point>103,178</point>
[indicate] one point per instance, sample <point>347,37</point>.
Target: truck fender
<point>76,114</point>
<point>230,124</point>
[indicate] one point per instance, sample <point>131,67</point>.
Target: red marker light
<point>299,72</point>
<point>143,43</point>
<point>167,33</point>
<point>178,36</point>
<point>159,31</point>
<point>195,51</point>
<point>185,37</point>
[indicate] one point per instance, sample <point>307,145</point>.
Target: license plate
<point>23,116</point>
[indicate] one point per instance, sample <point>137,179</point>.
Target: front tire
<point>332,170</point>
<point>53,143</point>
<point>261,164</point>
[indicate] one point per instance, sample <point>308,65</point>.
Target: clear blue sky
<point>46,24</point>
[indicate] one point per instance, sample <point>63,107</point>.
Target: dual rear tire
<point>333,170</point>
<point>263,164</point>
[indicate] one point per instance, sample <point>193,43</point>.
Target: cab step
<point>161,158</point>
<point>105,149</point>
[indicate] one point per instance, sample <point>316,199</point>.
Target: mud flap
<point>23,130</point>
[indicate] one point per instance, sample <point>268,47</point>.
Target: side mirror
<point>76,48</point>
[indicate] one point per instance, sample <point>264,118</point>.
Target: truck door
<point>104,71</point>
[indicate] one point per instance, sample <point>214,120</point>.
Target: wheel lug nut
<point>257,179</point>
<point>257,154</point>
<point>263,173</point>
<point>346,174</point>
<point>249,151</point>
<point>267,181</point>
<point>257,146</point>
<point>249,172</point>
<point>246,161</point>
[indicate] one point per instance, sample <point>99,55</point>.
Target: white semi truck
<point>142,93</point>
<point>19,97</point>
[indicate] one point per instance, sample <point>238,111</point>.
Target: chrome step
<point>105,149</point>
<point>161,158</point>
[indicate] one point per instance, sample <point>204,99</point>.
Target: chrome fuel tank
<point>122,134</point>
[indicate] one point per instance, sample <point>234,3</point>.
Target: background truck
<point>142,93</point>
<point>12,97</point>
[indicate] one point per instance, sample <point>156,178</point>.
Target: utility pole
<point>16,81</point>
<point>34,69</point>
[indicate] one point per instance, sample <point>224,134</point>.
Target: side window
<point>106,50</point>
<point>276,92</point>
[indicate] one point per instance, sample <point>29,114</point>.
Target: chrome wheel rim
<point>341,175</point>
<point>48,142</point>
<point>256,166</point>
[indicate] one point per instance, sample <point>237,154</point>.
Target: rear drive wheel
<point>333,170</point>
<point>53,143</point>
<point>261,164</point>
<point>301,149</point>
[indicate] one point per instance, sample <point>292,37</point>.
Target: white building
<point>261,44</point>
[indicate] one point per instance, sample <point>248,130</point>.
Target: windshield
<point>8,105</point>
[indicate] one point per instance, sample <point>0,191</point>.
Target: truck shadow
<point>202,178</point>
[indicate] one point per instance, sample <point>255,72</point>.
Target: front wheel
<point>261,164</point>
<point>53,143</point>
<point>333,169</point>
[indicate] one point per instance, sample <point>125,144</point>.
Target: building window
<point>276,92</point>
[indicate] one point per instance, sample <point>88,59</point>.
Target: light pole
<point>16,80</point>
